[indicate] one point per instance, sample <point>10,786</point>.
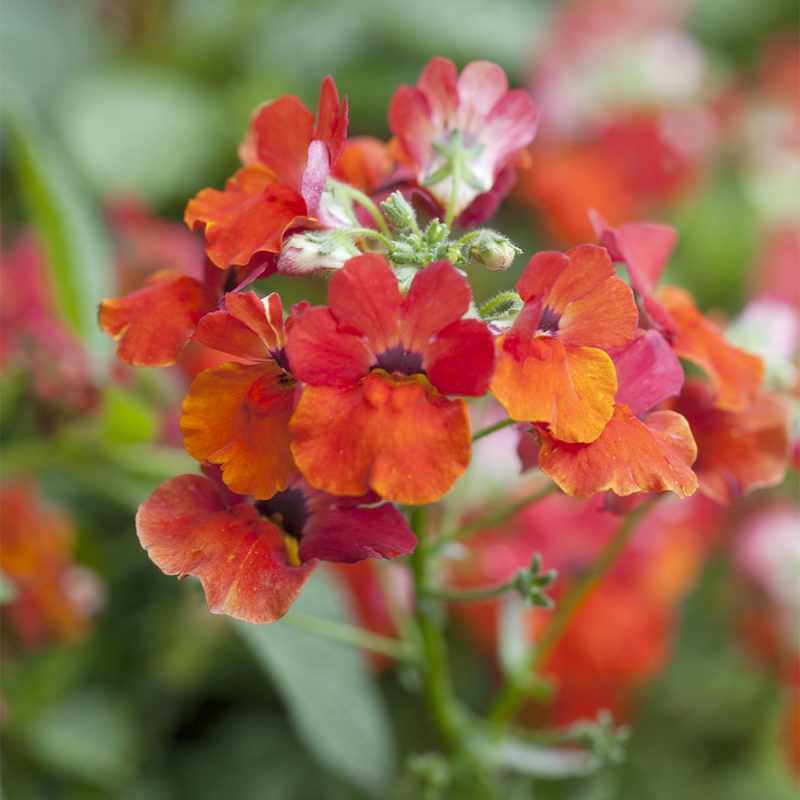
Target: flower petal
<point>397,436</point>
<point>735,374</point>
<point>248,217</point>
<point>595,307</point>
<point>569,389</point>
<point>347,532</point>
<point>737,451</point>
<point>240,558</point>
<point>248,329</point>
<point>460,360</point>
<point>152,324</point>
<point>321,353</point>
<point>237,416</point>
<point>364,296</point>
<point>438,296</point>
<point>648,371</point>
<point>652,455</point>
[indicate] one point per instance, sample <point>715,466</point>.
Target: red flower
<point>287,159</point>
<point>377,365</point>
<point>737,451</point>
<point>461,129</point>
<point>644,248</point>
<point>253,559</point>
<point>237,415</point>
<point>735,374</point>
<point>553,368</point>
<point>637,451</point>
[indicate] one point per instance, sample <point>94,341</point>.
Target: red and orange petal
<point>648,371</point>
<point>324,353</point>
<point>734,373</point>
<point>152,325</point>
<point>397,436</point>
<point>237,416</point>
<point>570,390</point>
<point>737,452</point>
<point>438,296</point>
<point>249,328</point>
<point>364,296</point>
<point>188,528</point>
<point>347,532</point>
<point>460,359</point>
<point>631,455</point>
<point>248,217</point>
<point>596,307</point>
<point>366,163</point>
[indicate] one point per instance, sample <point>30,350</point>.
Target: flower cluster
<point>328,417</point>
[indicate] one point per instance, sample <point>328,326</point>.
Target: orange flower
<point>552,366</point>
<point>378,365</point>
<point>237,415</point>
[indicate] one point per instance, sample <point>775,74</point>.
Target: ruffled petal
<point>651,455</point>
<point>331,124</point>
<point>735,374</point>
<point>347,532</point>
<point>187,528</point>
<point>397,436</point>
<point>152,324</point>
<point>569,389</point>
<point>648,371</point>
<point>410,122</point>
<point>321,353</point>
<point>249,329</point>
<point>439,295</point>
<point>248,217</point>
<point>280,133</point>
<point>364,296</point>
<point>594,308</point>
<point>438,82</point>
<point>460,360</point>
<point>738,452</point>
<point>237,416</point>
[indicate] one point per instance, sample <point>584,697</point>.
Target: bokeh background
<point>116,682</point>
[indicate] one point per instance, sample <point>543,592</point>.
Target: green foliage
<point>332,700</point>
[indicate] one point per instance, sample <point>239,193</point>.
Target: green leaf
<point>87,735</point>
<point>331,698</point>
<point>77,247</point>
<point>126,418</point>
<point>8,591</point>
<point>143,131</point>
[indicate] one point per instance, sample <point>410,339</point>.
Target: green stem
<point>456,175</point>
<point>364,200</point>
<point>513,694</point>
<point>504,423</point>
<point>372,234</point>
<point>471,595</point>
<point>493,517</point>
<point>438,688</point>
<point>348,634</point>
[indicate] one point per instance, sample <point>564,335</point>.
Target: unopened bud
<point>399,212</point>
<point>491,251</point>
<point>313,251</point>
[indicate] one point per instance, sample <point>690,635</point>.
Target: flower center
<point>288,510</point>
<point>398,359</point>
<point>548,322</point>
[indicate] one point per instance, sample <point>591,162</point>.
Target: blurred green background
<point>161,700</point>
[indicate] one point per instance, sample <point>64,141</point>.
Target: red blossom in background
<point>460,131</point>
<point>377,365</point>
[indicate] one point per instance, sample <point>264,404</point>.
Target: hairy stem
<point>503,423</point>
<point>513,694</point>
